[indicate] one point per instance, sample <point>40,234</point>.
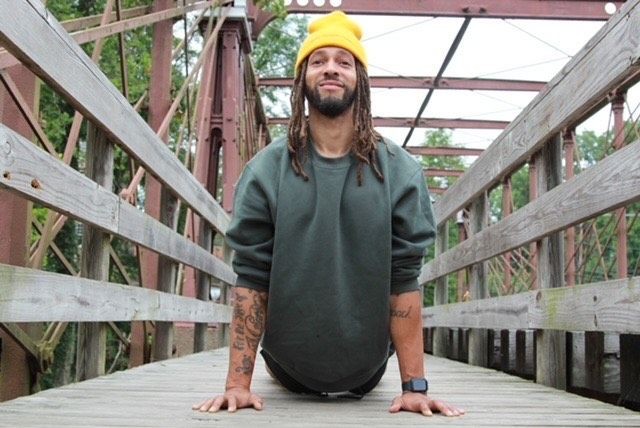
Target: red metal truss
<point>439,172</point>
<point>585,10</point>
<point>443,151</point>
<point>405,122</point>
<point>417,82</point>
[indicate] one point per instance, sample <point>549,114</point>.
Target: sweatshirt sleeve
<point>250,234</point>
<point>413,230</point>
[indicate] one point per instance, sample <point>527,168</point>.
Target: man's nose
<point>331,68</point>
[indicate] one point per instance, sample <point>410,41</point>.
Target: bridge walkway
<point>161,395</point>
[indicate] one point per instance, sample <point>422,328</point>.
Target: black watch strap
<point>416,385</point>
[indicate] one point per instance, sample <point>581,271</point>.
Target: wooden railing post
<point>550,345</point>
<point>91,345</point>
<point>478,346</point>
<point>441,294</point>
<point>167,270</point>
<point>203,285</point>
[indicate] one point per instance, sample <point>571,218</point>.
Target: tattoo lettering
<point>238,315</point>
<point>398,313</point>
<point>248,327</point>
<point>247,365</point>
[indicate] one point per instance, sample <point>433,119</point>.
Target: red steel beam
<point>443,151</point>
<point>438,172</point>
<point>405,122</point>
<point>582,10</point>
<point>437,190</point>
<point>93,34</point>
<point>416,82</point>
<point>17,376</point>
<point>438,123</point>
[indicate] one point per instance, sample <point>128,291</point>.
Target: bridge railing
<point>608,64</point>
<point>31,295</point>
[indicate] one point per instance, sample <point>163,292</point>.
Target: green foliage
<point>441,138</point>
<point>274,55</point>
<point>276,7</point>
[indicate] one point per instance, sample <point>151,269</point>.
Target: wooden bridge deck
<point>161,395</point>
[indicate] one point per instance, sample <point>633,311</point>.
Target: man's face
<point>330,81</point>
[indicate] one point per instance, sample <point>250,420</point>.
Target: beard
<point>330,106</point>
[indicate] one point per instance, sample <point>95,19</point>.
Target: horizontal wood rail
<point>610,58</point>
<point>38,176</point>
<point>611,306</point>
<point>28,295</point>
<point>611,183</point>
<point>66,68</point>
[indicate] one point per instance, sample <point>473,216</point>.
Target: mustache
<point>331,81</point>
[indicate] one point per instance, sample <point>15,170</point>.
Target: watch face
<point>418,385</point>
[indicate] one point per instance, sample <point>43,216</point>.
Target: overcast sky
<point>491,48</point>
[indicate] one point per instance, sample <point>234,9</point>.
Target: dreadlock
<point>365,138</point>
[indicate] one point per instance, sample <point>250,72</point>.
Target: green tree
<point>441,138</point>
<point>274,55</point>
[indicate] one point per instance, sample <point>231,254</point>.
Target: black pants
<point>294,386</point>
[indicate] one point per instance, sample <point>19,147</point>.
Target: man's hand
<point>233,399</point>
<point>422,403</point>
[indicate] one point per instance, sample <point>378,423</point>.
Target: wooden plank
<point>131,20</point>
<point>610,306</point>
<point>63,64</point>
<point>630,369</point>
<point>131,398</point>
<point>441,295</point>
<point>38,176</point>
<point>478,337</point>
<point>504,351</point>
<point>594,360</point>
<point>608,59</point>
<point>91,349</point>
<point>167,270</point>
<point>28,295</point>
<point>611,183</point>
<point>551,360</point>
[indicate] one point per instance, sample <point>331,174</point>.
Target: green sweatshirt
<point>330,253</point>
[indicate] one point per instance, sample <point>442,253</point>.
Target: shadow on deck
<point>161,395</point>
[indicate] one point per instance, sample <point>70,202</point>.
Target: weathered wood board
<point>161,395</point>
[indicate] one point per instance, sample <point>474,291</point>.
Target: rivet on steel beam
<point>482,9</point>
<point>35,183</point>
<point>466,9</point>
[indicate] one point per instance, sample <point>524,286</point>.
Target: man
<point>329,231</point>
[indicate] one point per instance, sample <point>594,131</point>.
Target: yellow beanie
<point>335,29</point>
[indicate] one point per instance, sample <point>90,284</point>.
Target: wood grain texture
<point>609,58</point>
<point>91,350</point>
<point>161,395</point>
<point>610,306</point>
<point>28,295</point>
<point>550,344</point>
<point>478,287</point>
<point>71,193</point>
<point>611,183</point>
<point>65,67</point>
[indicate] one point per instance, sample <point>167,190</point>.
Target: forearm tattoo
<point>399,313</point>
<point>249,316</point>
<point>247,365</point>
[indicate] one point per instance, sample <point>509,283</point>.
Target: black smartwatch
<point>416,385</point>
